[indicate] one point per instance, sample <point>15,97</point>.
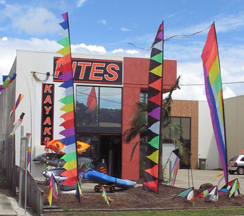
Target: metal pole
<point>20,169</point>
<point>26,154</point>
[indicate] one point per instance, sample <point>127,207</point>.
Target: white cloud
<point>125,52</point>
<point>103,21</point>
<point>4,38</point>
<point>8,50</point>
<point>125,29</point>
<point>80,3</point>
<point>34,21</point>
<point>228,93</point>
<point>81,48</point>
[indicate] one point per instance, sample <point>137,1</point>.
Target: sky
<point>109,27</point>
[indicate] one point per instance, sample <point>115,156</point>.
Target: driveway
<point>184,178</point>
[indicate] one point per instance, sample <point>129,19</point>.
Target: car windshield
<point>232,158</point>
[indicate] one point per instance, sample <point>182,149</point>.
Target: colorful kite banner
<point>235,190</point>
<point>53,190</point>
<point>213,195</point>
<point>155,82</point>
<point>64,66</point>
<point>7,80</point>
<point>214,93</point>
<point>15,107</point>
<point>173,172</point>
<point>187,194</point>
<point>17,123</point>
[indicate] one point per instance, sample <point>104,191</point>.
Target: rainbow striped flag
<point>214,93</point>
<point>53,190</point>
<point>173,172</point>
<point>19,99</point>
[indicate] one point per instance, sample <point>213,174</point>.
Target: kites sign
<point>47,113</point>
<point>93,71</point>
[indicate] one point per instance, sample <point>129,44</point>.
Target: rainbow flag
<point>20,97</point>
<point>174,172</point>
<point>214,93</point>
<point>69,140</point>
<point>150,181</point>
<point>53,190</point>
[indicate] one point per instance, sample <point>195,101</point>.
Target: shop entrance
<point>110,154</point>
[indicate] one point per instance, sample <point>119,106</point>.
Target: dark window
<point>98,106</point>
<point>185,123</point>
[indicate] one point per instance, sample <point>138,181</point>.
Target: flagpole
<point>226,159</point>
<point>161,117</point>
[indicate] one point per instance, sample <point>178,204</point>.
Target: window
<point>185,123</point>
<point>98,106</point>
<point>110,107</point>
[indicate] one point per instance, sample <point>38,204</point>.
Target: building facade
<point>106,90</point>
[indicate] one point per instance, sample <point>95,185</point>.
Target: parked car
<point>238,165</point>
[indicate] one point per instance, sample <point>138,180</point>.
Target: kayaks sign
<point>47,113</point>
<point>93,71</point>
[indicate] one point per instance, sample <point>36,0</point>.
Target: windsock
<point>6,81</point>
<point>17,124</point>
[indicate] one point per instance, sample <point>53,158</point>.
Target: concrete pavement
<point>185,179</point>
<point>6,207</point>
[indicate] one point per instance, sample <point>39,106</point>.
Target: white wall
<point>167,149</point>
<point>234,121</point>
<point>42,62</point>
<point>207,147</point>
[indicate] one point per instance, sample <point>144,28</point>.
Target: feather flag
<point>105,196</point>
<point>19,99</point>
<point>214,93</point>
<point>64,66</point>
<point>53,190</point>
<point>7,80</point>
<point>17,123</point>
<point>151,173</point>
<point>213,195</point>
<point>173,172</point>
<point>187,194</point>
<point>235,189</point>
